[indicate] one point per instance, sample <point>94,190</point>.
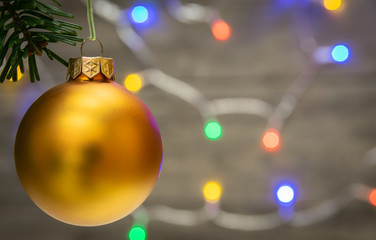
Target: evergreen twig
<point>26,28</point>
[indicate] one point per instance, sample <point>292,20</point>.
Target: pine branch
<point>26,28</point>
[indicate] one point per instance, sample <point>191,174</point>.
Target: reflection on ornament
<point>88,152</point>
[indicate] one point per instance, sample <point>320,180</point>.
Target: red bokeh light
<point>221,30</point>
<point>372,197</point>
<point>271,140</point>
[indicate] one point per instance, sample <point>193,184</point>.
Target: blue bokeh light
<point>340,53</point>
<point>286,4</point>
<point>139,14</point>
<point>285,194</point>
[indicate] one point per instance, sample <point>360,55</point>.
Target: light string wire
<point>275,116</point>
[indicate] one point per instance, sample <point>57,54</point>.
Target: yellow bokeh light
<point>212,191</point>
<point>133,82</point>
<point>332,4</point>
<point>19,74</point>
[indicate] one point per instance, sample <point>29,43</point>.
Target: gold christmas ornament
<point>88,152</point>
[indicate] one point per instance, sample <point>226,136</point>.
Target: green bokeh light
<point>213,130</point>
<point>137,233</point>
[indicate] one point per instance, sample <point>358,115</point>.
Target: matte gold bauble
<point>88,152</point>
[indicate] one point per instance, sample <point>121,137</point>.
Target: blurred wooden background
<point>322,144</point>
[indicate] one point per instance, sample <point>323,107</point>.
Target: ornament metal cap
<point>91,66</point>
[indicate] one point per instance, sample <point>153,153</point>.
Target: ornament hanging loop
<point>83,43</point>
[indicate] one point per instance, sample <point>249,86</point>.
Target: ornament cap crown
<point>91,66</point>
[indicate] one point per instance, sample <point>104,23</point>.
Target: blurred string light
<point>210,109</point>
<point>143,14</point>
<point>332,5</point>
<point>190,13</point>
<point>340,53</point>
<point>337,54</point>
<point>212,191</point>
<point>285,194</point>
<point>372,197</point>
<point>286,197</point>
<point>221,30</point>
<point>139,14</point>
<point>137,233</point>
<point>133,82</point>
<point>213,130</point>
<point>271,140</point>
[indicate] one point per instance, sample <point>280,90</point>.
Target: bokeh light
<point>213,130</point>
<point>19,74</point>
<point>140,14</point>
<point>221,30</point>
<point>340,53</point>
<point>271,140</point>
<point>212,191</point>
<point>133,82</point>
<point>285,194</point>
<point>372,197</point>
<point>137,233</point>
<point>332,4</point>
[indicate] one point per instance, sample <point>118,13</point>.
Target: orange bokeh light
<point>271,140</point>
<point>372,197</point>
<point>221,30</point>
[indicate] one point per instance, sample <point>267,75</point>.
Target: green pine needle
<point>26,28</point>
